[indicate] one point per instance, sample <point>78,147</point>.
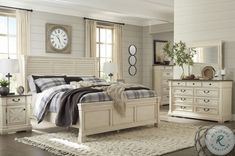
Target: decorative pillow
<point>35,77</point>
<point>69,79</point>
<point>46,83</point>
<point>92,78</point>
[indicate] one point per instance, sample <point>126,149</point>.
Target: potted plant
<point>4,90</point>
<point>180,55</point>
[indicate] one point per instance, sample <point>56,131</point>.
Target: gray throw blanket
<point>68,112</point>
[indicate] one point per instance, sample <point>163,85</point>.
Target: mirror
<point>206,55</point>
<point>132,49</point>
<point>132,70</point>
<point>132,60</point>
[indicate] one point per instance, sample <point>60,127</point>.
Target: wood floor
<point>9,147</point>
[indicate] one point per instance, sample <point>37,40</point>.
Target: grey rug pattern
<point>142,141</point>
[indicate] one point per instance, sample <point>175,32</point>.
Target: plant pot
<point>4,91</point>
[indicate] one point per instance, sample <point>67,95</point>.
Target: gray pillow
<point>46,83</point>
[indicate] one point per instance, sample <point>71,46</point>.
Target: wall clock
<point>58,38</point>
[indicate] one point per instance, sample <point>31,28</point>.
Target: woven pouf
<point>200,144</point>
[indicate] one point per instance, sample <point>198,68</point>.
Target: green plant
<point>4,83</point>
<point>179,53</point>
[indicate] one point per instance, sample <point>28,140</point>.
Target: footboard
<point>101,117</point>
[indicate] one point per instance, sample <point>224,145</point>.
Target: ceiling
<point>137,12</point>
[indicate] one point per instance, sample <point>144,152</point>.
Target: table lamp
<point>110,69</point>
<point>8,66</point>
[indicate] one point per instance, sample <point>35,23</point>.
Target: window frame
<point>101,26</point>
<point>8,35</point>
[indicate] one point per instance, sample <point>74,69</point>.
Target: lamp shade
<point>109,67</point>
<point>9,66</point>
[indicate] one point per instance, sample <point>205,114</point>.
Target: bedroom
<point>157,20</point>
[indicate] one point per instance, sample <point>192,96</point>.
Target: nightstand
<point>15,113</point>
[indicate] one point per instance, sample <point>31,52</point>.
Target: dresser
<point>15,113</point>
<point>161,74</point>
<point>209,100</point>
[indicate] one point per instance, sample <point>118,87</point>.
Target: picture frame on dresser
<point>158,54</point>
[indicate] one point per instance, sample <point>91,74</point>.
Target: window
<point>8,42</point>
<point>104,47</point>
<point>7,36</point>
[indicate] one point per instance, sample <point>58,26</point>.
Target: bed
<point>94,117</point>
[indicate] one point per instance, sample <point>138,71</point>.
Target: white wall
<point>131,35</point>
<point>201,20</point>
<point>38,22</point>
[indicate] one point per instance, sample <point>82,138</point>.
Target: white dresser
<point>14,113</point>
<point>210,100</point>
<point>161,74</point>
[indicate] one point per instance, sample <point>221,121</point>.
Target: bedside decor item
<point>9,66</point>
<point>132,60</point>
<point>20,90</point>
<point>223,73</point>
<point>180,54</point>
<point>208,73</point>
<point>58,38</point>
<point>4,90</point>
<point>110,69</point>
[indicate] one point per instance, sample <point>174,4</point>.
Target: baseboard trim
<point>233,117</point>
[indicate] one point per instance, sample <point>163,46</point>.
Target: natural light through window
<point>104,46</point>
<point>7,36</point>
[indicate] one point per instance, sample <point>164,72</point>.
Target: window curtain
<point>117,49</point>
<point>90,38</point>
<point>23,41</point>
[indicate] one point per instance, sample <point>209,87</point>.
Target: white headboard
<point>42,65</point>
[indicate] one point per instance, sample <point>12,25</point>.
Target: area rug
<point>142,141</point>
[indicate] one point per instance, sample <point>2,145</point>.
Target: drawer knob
<point>183,99</point>
<point>206,109</point>
<point>178,83</point>
<point>15,100</point>
<point>206,91</point>
<point>193,83</point>
<point>210,84</point>
<point>24,109</point>
<point>182,107</point>
<point>183,90</point>
<point>206,100</point>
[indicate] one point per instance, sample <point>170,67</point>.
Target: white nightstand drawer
<point>177,83</point>
<point>210,84</point>
<point>183,91</point>
<point>16,99</point>
<point>192,84</point>
<point>206,110</point>
<point>207,92</point>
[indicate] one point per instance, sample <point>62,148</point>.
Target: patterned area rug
<point>142,141</point>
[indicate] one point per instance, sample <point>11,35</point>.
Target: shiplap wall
<point>203,20</point>
<point>38,32</point>
<point>132,35</point>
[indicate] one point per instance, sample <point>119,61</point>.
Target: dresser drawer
<point>15,100</point>
<point>167,74</point>
<point>178,83</point>
<point>210,84</point>
<point>183,100</point>
<point>207,92</point>
<point>183,91</point>
<point>212,111</point>
<point>183,108</point>
<point>206,101</point>
<point>192,84</point>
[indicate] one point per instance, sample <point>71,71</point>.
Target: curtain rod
<point>103,21</point>
<point>8,7</point>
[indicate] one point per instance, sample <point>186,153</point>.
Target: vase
<point>4,91</point>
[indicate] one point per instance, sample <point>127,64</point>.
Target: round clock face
<point>59,38</point>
